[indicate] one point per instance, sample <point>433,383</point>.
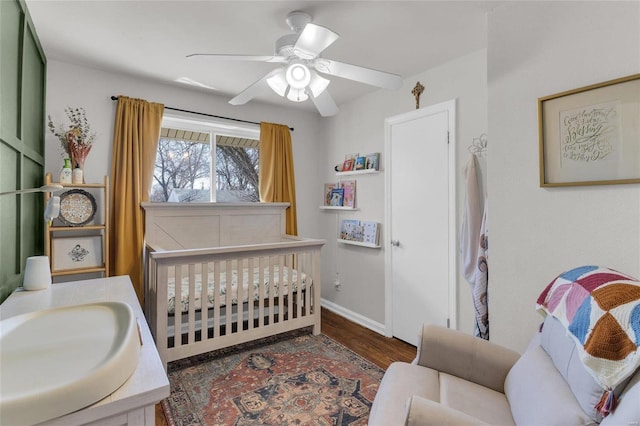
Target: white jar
<point>78,175</point>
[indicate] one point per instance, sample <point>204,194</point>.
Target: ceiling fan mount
<point>298,78</point>
<point>297,20</point>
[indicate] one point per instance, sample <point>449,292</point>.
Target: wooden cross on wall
<point>417,91</point>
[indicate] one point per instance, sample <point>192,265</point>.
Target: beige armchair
<point>457,379</point>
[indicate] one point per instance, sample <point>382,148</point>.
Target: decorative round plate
<point>77,207</point>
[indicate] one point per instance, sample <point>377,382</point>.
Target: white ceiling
<point>151,38</point>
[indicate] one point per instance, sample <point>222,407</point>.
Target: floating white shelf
<point>338,208</point>
<point>358,172</point>
<point>358,243</point>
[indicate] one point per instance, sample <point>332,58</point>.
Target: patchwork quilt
<point>600,308</point>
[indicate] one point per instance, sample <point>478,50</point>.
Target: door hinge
<point>447,138</point>
<point>448,325</point>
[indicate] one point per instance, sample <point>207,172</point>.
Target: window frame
<point>215,128</point>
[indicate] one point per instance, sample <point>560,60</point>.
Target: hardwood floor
<point>372,346</point>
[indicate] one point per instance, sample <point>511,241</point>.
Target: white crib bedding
<point>184,295</point>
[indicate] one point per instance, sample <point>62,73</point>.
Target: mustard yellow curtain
<point>277,181</point>
<point>135,141</point>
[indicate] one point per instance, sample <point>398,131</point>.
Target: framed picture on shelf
<point>372,161</point>
<point>347,166</point>
<point>337,195</point>
<point>371,232</point>
<point>76,252</point>
<point>589,136</point>
<point>349,194</point>
<point>328,187</point>
<point>349,230</point>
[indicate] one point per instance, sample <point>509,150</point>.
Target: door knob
<point>395,243</point>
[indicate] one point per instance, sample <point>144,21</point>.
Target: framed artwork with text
<point>591,135</point>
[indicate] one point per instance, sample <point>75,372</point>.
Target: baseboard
<point>353,316</point>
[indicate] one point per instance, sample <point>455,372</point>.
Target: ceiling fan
<point>299,75</point>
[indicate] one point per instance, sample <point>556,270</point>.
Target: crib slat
<point>250,292</point>
<point>240,296</point>
<point>307,293</point>
<point>216,298</point>
<point>290,293</point>
<point>271,288</point>
<point>177,311</point>
<point>162,313</point>
<point>191,317</point>
<point>280,288</point>
<point>228,282</point>
<point>300,267</point>
<point>204,300</point>
<point>316,271</point>
<point>261,312</point>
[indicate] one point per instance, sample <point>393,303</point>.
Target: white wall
<point>538,49</point>
<point>76,86</point>
<point>359,128</point>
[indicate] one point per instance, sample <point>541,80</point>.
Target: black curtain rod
<point>115,98</point>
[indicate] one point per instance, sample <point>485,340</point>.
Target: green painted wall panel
<point>9,214</point>
<point>11,24</point>
<point>32,226</point>
<point>22,125</point>
<point>32,95</point>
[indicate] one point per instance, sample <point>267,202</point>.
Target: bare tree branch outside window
<point>182,172</point>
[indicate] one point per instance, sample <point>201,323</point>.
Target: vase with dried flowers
<point>76,139</point>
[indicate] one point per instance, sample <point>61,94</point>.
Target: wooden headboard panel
<point>174,226</point>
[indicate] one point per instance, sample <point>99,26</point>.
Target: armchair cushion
<point>401,381</point>
<point>465,356</point>
<point>421,412</point>
<point>475,400</point>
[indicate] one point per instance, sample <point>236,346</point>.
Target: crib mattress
<point>289,280</point>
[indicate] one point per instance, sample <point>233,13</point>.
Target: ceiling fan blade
<point>252,91</point>
<point>254,58</point>
<point>353,72</point>
<point>313,40</point>
<point>324,103</point>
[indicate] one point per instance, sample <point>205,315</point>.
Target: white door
<point>420,217</point>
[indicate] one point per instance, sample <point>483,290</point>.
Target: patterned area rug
<point>301,379</point>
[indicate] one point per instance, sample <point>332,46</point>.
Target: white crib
<point>259,282</point>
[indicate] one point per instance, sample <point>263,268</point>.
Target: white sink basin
<point>57,361</point>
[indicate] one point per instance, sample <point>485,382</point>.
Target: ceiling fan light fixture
<point>278,83</point>
<point>318,84</point>
<point>297,95</point>
<point>298,75</point>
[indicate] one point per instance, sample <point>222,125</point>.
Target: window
<point>199,162</point>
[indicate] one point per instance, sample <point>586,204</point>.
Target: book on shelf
<point>349,229</point>
<point>349,196</point>
<point>337,194</point>
<point>371,233</point>
<point>349,162</point>
<point>363,232</point>
<point>372,161</point>
<point>347,166</point>
<point>328,187</point>
<point>360,163</point>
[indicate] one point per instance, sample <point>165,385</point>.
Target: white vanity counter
<point>134,402</point>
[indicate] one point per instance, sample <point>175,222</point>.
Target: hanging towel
<point>473,247</point>
<point>471,222</point>
<point>479,289</point>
